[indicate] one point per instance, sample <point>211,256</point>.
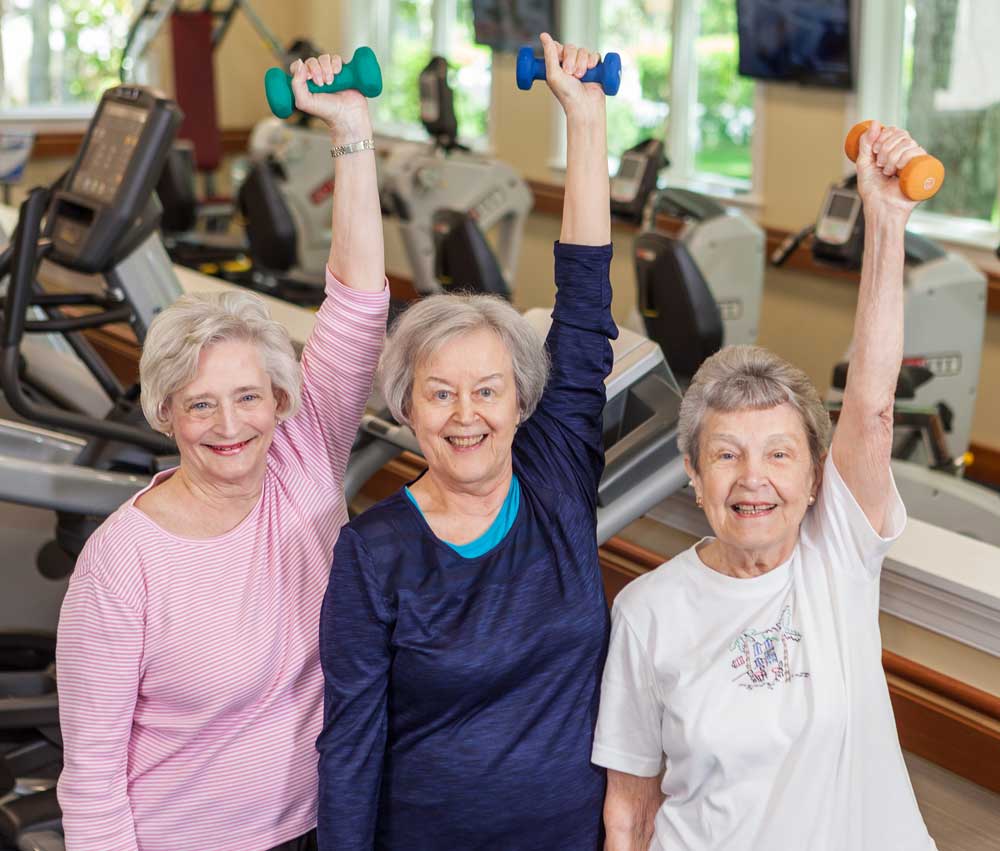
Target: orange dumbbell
<point>920,178</point>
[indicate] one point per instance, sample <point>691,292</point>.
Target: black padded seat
<point>269,225</point>
<point>37,812</point>
<point>678,308</point>
<point>463,258</point>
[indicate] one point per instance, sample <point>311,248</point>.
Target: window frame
<point>679,131</point>
<point>368,22</point>
<point>52,118</point>
<point>879,93</point>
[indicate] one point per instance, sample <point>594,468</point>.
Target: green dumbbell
<point>361,73</point>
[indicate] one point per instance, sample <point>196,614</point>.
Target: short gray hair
<point>437,320</point>
<point>739,378</point>
<point>178,334</point>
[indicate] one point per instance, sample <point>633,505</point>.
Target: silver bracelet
<point>353,148</point>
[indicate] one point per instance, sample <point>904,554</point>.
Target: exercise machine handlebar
<point>26,252</point>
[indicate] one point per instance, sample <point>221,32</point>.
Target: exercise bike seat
<point>911,378</point>
<point>463,259</point>
<point>37,812</point>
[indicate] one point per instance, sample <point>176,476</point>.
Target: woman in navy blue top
<point>464,628</point>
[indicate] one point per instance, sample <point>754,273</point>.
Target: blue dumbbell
<point>607,72</point>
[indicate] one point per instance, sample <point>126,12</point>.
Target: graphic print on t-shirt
<point>763,655</point>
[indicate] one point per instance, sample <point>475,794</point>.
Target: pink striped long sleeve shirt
<point>189,679</point>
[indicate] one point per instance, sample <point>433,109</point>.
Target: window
<point>56,58</point>
<point>724,112</point>
<point>941,80</point>
<point>405,34</point>
<point>640,32</point>
<point>951,99</point>
<point>680,81</point>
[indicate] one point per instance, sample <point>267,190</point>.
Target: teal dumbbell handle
<point>361,73</point>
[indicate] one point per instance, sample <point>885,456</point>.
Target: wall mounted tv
<point>802,41</point>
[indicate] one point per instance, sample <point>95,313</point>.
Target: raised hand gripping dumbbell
<point>919,179</point>
<point>361,73</point>
<point>607,72</point>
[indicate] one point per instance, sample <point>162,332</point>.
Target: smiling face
<point>464,411</point>
<point>755,479</point>
<point>224,419</point>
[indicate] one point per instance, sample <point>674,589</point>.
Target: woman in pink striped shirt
<point>190,687</point>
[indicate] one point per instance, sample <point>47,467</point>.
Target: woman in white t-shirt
<point>743,704</point>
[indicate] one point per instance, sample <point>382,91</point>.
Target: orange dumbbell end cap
<point>921,177</point>
<point>852,144</point>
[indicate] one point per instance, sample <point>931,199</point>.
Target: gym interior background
<point>780,152</point>
<point>770,149</point>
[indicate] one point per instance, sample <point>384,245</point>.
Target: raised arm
<point>340,357</point>
<point>357,254</point>
<point>561,443</point>
<point>862,443</point>
<point>587,201</point>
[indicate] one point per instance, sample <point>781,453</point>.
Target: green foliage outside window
<point>725,99</point>
<point>724,109</point>
<point>65,52</point>
<point>400,99</point>
<point>967,141</point>
<point>630,123</point>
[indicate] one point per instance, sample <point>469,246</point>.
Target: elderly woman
<point>464,630</point>
<point>189,675</point>
<point>747,670</point>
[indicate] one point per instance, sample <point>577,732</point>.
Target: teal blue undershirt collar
<point>498,528</point>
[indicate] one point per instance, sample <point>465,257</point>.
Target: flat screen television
<point>802,41</point>
<point>507,25</point>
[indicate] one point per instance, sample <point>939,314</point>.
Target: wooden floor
<point>960,815</point>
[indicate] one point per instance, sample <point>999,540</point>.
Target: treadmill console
<point>840,229</point>
<point>839,215</point>
<point>109,187</point>
<point>636,178</point>
<point>625,184</point>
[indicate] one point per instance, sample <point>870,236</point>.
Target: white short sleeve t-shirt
<point>764,698</point>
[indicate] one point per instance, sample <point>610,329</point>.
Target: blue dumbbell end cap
<point>525,68</point>
<point>612,73</point>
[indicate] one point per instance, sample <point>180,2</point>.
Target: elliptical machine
<point>446,199</point>
<point>944,318</point>
<point>102,220</point>
<point>712,269</point>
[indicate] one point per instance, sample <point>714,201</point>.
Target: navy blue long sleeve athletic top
<point>461,693</point>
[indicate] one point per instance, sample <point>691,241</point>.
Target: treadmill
<point>101,221</point>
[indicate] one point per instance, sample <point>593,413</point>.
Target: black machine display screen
<point>109,151</point>
<point>630,167</point>
<point>840,206</point>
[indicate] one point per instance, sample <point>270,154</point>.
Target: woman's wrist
<point>886,213</point>
<point>585,114</point>
<point>886,222</point>
<point>347,132</point>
